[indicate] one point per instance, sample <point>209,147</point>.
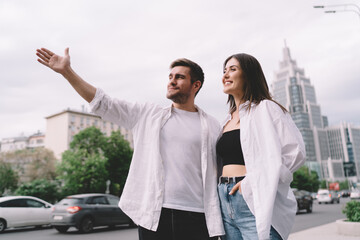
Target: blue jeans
<point>239,222</point>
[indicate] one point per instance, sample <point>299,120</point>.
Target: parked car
<point>314,195</point>
<point>86,211</point>
<point>345,193</point>
<point>355,194</point>
<point>21,211</point>
<point>304,200</point>
<point>327,196</point>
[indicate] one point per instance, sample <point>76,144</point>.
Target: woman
<point>258,151</point>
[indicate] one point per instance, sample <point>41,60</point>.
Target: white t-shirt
<point>180,148</point>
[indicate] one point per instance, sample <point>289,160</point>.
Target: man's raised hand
<point>57,63</point>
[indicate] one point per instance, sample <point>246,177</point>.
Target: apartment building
<point>62,126</point>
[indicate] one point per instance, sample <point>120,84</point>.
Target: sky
<point>126,47</point>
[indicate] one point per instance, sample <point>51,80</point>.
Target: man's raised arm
<point>62,65</point>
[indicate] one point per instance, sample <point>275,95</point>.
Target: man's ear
<point>197,85</point>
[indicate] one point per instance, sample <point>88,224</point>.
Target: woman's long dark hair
<point>255,87</point>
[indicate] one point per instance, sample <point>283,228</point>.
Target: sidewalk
<point>323,232</point>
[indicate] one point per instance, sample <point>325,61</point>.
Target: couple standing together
<point>190,177</point>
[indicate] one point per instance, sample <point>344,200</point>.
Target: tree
<point>31,164</point>
<point>8,177</point>
<point>82,172</point>
<point>41,188</point>
<point>323,184</point>
<point>119,154</point>
<point>305,180</point>
<point>91,143</point>
<point>42,165</point>
<point>90,139</point>
<point>344,185</point>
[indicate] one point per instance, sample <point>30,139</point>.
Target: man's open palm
<point>53,61</point>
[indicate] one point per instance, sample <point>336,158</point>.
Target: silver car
<point>86,211</point>
<point>22,211</point>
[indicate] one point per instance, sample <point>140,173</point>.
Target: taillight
<point>330,195</point>
<point>53,209</point>
<point>73,209</point>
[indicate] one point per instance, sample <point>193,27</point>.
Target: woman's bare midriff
<point>234,170</point>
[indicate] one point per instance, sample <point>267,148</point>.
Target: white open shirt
<point>142,197</point>
<point>273,149</point>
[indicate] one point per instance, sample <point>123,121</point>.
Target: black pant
<point>178,225</point>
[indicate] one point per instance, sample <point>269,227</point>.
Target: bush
<point>352,211</point>
<point>40,188</point>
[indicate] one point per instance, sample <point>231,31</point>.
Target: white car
<point>326,196</point>
<point>355,194</point>
<point>21,211</point>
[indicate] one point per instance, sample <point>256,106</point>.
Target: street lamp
<point>355,8</point>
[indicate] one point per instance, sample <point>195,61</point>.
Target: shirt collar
<point>169,110</point>
<point>242,111</point>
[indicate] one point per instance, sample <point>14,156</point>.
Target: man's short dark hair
<point>196,72</point>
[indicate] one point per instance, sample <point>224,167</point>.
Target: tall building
<point>344,144</point>
<point>61,128</point>
<point>332,151</point>
<point>292,89</point>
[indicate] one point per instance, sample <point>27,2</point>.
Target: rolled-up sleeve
<point>120,112</point>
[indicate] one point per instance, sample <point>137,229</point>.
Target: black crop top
<point>228,148</point>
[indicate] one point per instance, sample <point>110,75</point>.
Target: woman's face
<point>233,80</point>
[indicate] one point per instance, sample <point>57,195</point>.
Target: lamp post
<point>347,7</point>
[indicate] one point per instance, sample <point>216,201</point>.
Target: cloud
<point>125,47</point>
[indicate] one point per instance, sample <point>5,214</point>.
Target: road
<point>322,214</point>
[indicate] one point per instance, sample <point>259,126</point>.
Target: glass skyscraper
<point>292,89</point>
<point>332,151</point>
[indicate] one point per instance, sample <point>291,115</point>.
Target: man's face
<point>179,86</point>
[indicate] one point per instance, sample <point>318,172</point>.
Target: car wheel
<point>2,225</point>
<point>309,208</point>
<point>319,202</point>
<point>62,229</point>
<point>86,225</point>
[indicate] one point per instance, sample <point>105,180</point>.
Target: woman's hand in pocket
<point>237,187</point>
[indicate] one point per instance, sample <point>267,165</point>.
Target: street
<point>322,214</point>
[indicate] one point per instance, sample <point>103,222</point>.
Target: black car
<point>345,193</point>
<point>304,200</point>
<point>86,211</point>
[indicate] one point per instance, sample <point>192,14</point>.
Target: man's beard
<point>179,98</point>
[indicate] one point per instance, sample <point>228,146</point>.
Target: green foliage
<point>303,180</point>
<point>32,164</point>
<point>352,211</point>
<point>119,154</point>
<point>344,185</point>
<point>93,159</point>
<point>82,172</point>
<point>41,188</point>
<point>323,184</point>
<point>91,139</point>
<point>8,177</point>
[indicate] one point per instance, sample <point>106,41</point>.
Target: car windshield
<point>70,201</point>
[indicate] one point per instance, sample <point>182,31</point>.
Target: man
<point>171,190</point>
